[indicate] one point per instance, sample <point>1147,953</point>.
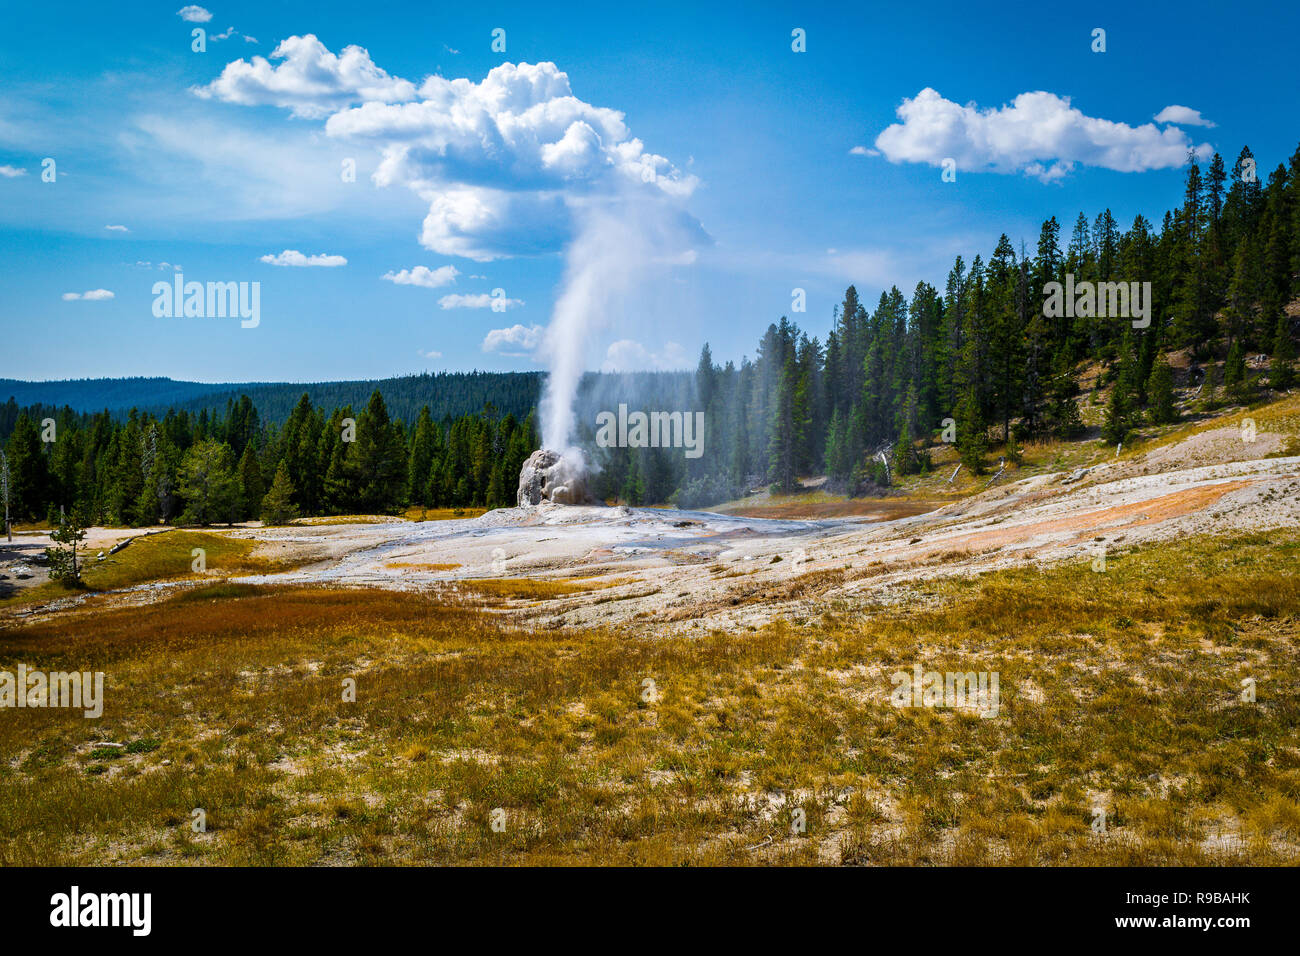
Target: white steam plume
<point>515,164</point>
<point>621,244</point>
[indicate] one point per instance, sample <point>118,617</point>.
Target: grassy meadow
<point>159,556</point>
<point>474,738</point>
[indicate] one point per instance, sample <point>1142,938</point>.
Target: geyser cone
<point>551,476</point>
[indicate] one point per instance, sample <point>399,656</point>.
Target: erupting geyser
<point>558,478</point>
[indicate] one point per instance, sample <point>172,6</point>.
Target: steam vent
<point>549,476</point>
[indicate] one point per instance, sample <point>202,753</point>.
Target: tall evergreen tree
<point>277,504</point>
<point>1160,390</point>
<point>251,490</point>
<point>1282,369</point>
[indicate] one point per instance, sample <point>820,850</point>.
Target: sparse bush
<point>64,566</point>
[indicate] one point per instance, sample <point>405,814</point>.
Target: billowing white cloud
<point>423,276</point>
<point>1182,116</point>
<point>484,224</point>
<point>194,14</point>
<point>625,355</point>
<point>516,340</point>
<point>12,172</point>
<point>94,295</point>
<point>1040,134</point>
<point>292,257</point>
<point>479,301</point>
<point>505,164</point>
<point>311,82</point>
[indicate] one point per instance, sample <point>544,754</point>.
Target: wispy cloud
<point>245,173</point>
<point>94,295</point>
<point>12,172</point>
<point>292,257</point>
<point>228,33</point>
<point>1182,116</point>
<point>423,276</point>
<point>117,229</point>
<point>480,301</point>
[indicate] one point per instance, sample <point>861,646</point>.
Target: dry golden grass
<point>1119,691</point>
<point>347,519</point>
<point>171,555</point>
<point>1281,415</point>
<point>160,557</point>
<point>443,514</point>
<point>532,589</point>
<point>823,505</point>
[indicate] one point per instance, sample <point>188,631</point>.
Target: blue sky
<point>755,186</point>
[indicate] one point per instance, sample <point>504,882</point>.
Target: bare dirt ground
<point>22,562</point>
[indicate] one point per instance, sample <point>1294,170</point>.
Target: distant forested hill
<point>446,393</point>
<point>97,394</point>
<point>308,449</point>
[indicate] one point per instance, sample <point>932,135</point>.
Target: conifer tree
<point>1064,418</point>
<point>277,505</point>
<point>379,459</point>
<point>1160,392</point>
<point>1282,369</point>
<point>209,484</point>
<point>1117,424</point>
<point>633,488</point>
<point>972,432</point>
<point>836,465</point>
<point>251,490</point>
<point>1120,405</point>
<point>64,566</point>
<point>785,437</point>
<point>28,475</point>
<point>904,455</point>
<point>1235,376</point>
<point>420,463</point>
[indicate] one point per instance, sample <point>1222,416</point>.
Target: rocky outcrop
<point>550,476</point>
